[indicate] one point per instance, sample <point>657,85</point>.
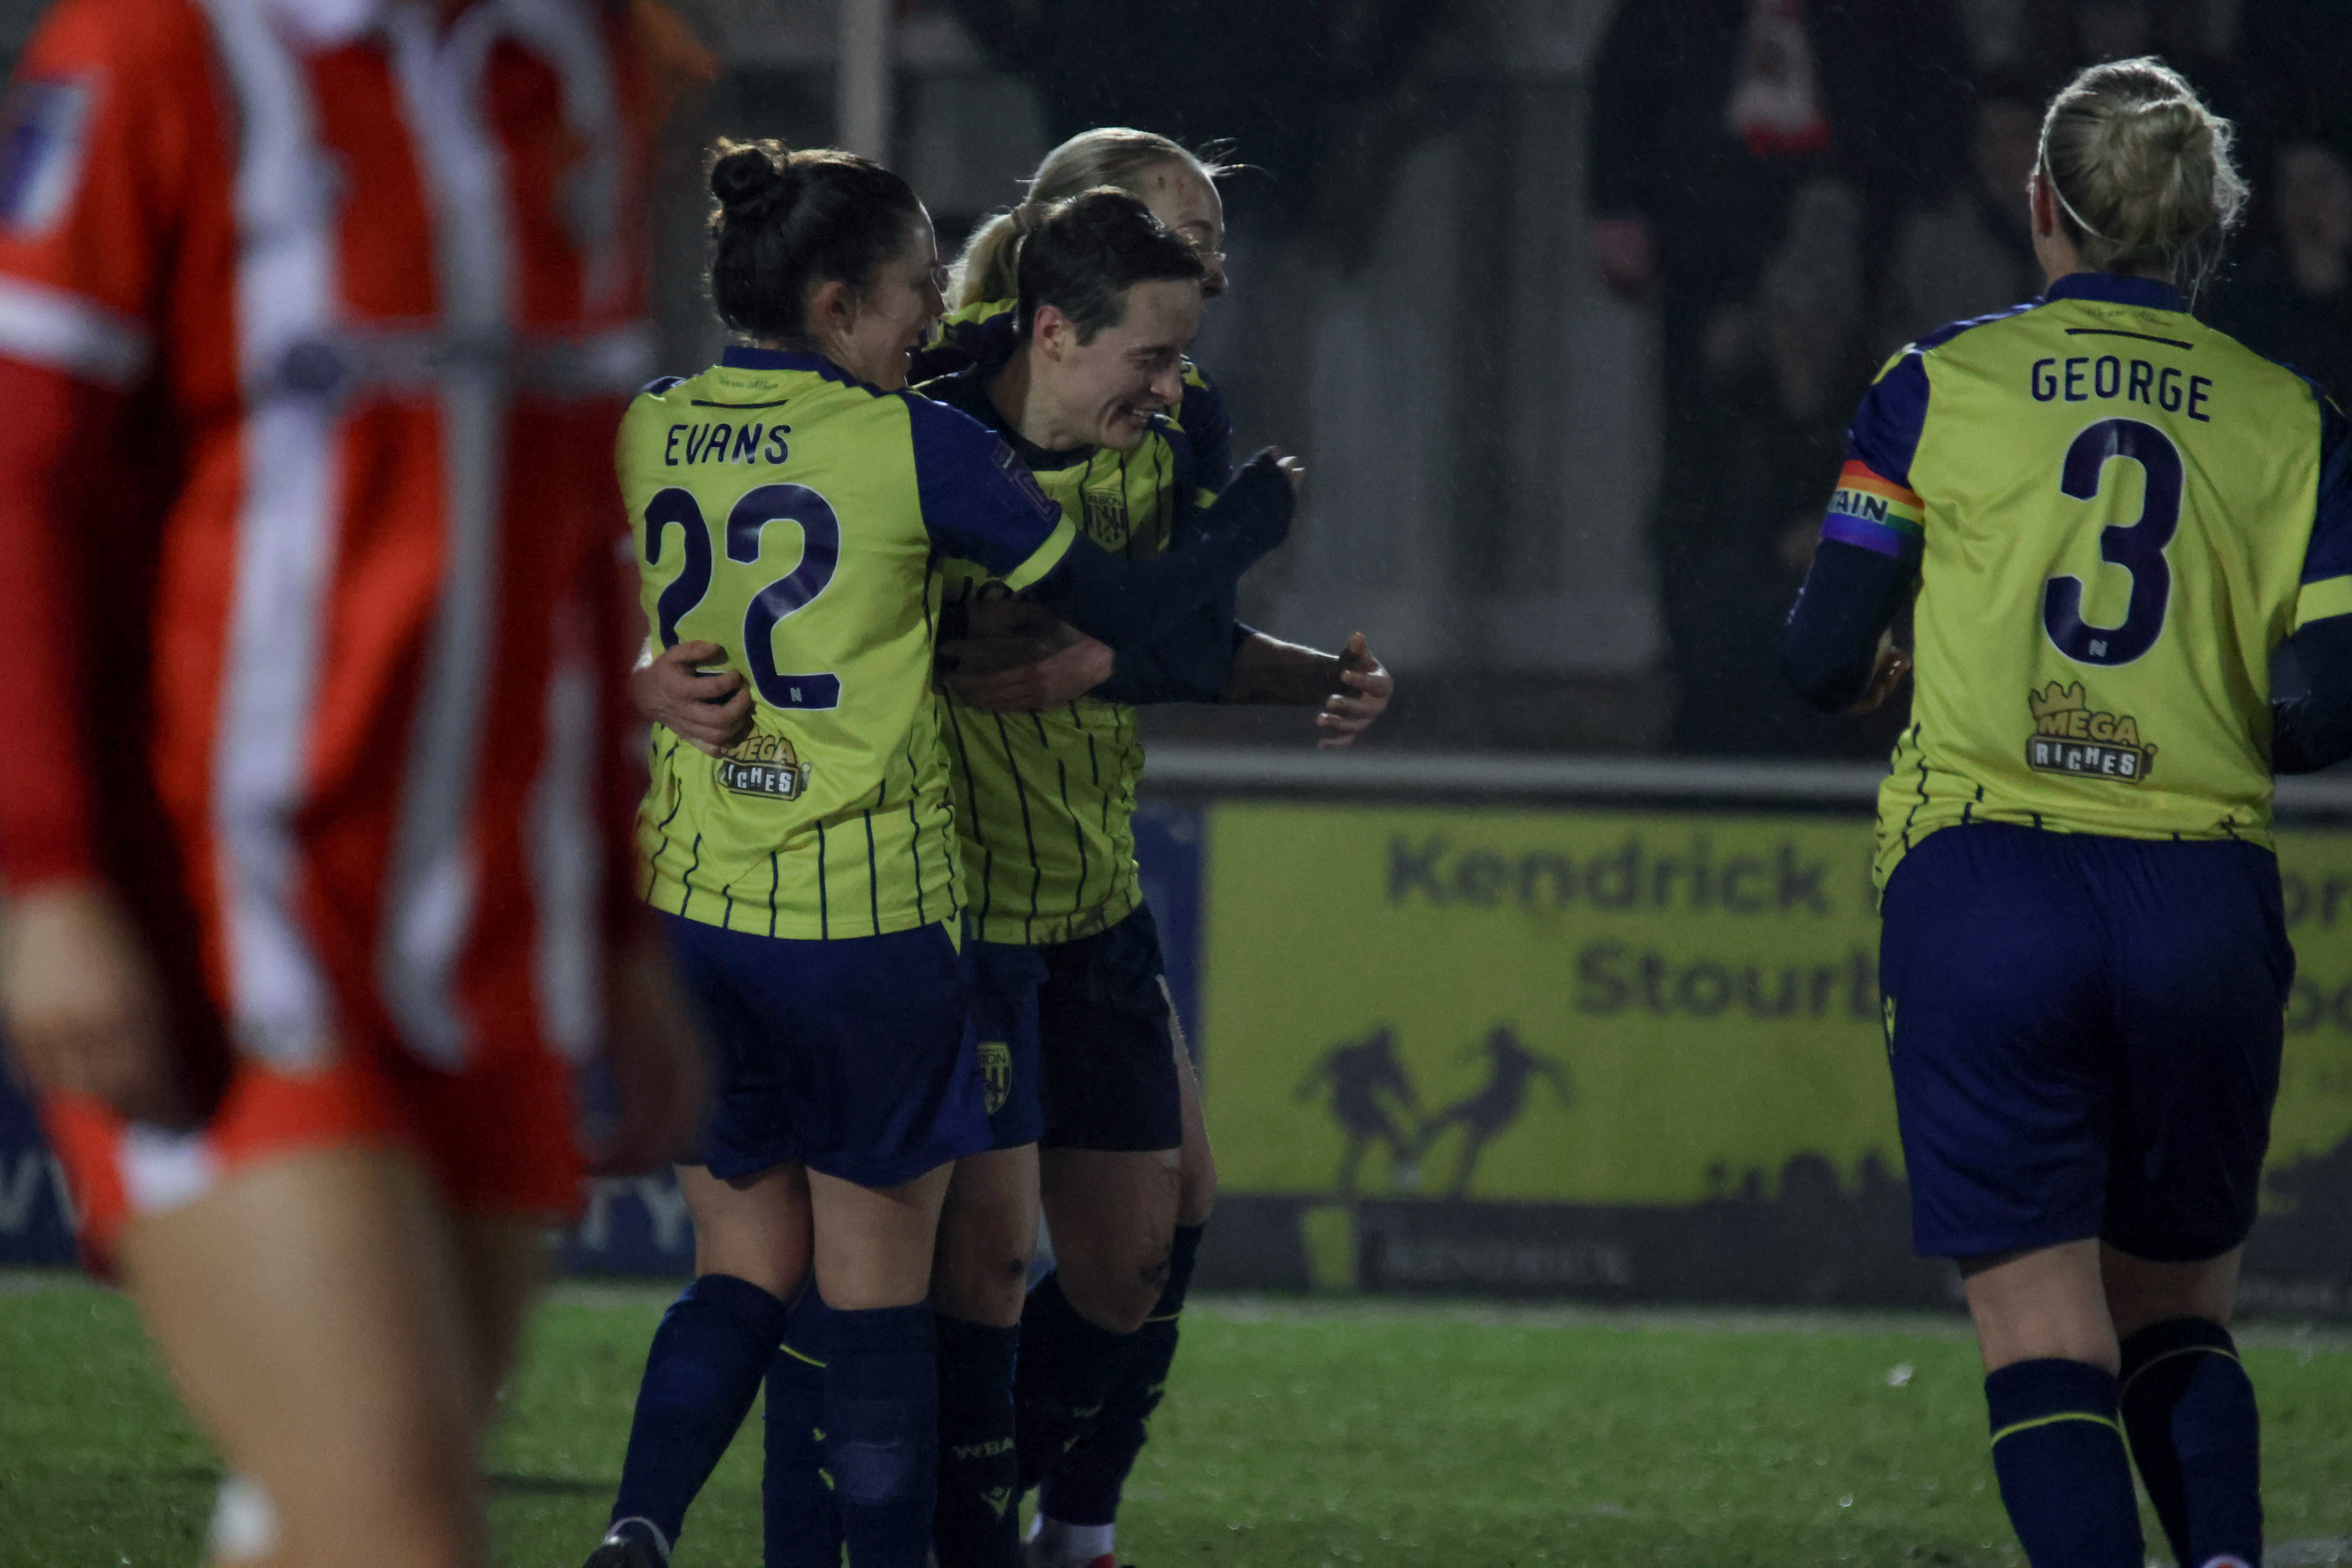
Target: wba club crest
<point>995,1074</point>
<point>1107,518</point>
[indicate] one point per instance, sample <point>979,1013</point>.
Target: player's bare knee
<point>2140,1292</point>
<point>1196,1199</point>
<point>989,1293</point>
<point>1118,1300</point>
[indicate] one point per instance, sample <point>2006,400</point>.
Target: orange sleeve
<point>99,125</point>
<point>51,593</point>
<point>94,160</point>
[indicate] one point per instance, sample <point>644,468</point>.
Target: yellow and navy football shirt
<point>2117,513</point>
<point>1044,800</point>
<point>794,517</point>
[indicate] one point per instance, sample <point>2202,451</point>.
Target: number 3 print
<point>2137,547</point>
<point>747,522</point>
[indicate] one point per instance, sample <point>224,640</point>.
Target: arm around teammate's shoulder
<point>1209,427</point>
<point>980,504</point>
<point>1127,603</point>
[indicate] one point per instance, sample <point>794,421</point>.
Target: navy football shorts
<point>2084,1034</point>
<point>852,1056</point>
<point>1005,980</point>
<point>1106,1043</point>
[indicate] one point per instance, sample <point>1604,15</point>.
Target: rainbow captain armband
<point>1875,513</point>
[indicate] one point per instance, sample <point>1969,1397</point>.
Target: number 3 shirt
<point>2117,514</point>
<point>793,515</point>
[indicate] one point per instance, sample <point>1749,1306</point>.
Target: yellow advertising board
<point>1600,1008</point>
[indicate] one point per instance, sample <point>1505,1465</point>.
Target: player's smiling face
<point>875,338</point>
<point>1109,388</point>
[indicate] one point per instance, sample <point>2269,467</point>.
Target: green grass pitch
<point>1295,1436</point>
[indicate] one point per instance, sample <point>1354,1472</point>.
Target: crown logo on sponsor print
<point>2056,699</point>
<point>763,764</point>
<point>2071,736</point>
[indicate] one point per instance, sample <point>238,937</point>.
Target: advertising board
<point>1619,1053</point>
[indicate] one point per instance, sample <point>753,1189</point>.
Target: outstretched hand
<point>708,712</point>
<point>1348,714</point>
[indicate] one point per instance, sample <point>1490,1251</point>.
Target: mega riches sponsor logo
<point>763,764</point>
<point>2071,736</point>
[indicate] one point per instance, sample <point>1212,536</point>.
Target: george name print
<point>2083,377</point>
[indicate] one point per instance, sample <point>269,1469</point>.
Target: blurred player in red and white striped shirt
<point>315,321</point>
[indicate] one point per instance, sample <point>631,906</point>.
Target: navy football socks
<point>882,1431</point>
<point>1067,1369</point>
<point>1084,1487</point>
<point>798,1526</point>
<point>701,1375</point>
<point>978,1522</point>
<point>2064,1475</point>
<point>2188,1409</point>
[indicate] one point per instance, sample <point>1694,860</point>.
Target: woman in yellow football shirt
<point>1098,1333</point>
<point>2105,517</point>
<point>788,505</point>
<point>1105,1328</point>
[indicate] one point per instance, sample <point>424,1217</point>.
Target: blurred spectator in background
<point>1265,75</point>
<point>2077,33</point>
<point>1780,376</point>
<point>1709,117</point>
<point>1973,253</point>
<point>2292,299</point>
<point>2297,56</point>
<point>2061,38</point>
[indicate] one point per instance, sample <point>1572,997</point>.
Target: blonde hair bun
<point>2142,171</point>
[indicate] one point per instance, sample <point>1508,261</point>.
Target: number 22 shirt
<point>2116,514</point>
<point>792,514</point>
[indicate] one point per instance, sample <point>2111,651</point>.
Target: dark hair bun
<point>787,221</point>
<point>748,182</point>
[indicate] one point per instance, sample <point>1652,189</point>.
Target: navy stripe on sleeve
<point>2329,554</point>
<point>1885,430</point>
<point>1829,646</point>
<point>978,503</point>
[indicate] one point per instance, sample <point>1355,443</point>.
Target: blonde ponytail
<point>990,267</point>
<point>2142,172</point>
<point>1110,155</point>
